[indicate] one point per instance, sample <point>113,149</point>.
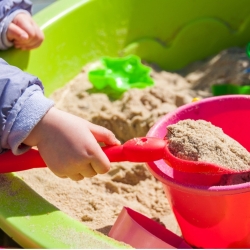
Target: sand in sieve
<point>199,140</point>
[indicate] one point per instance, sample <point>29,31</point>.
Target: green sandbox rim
<point>165,32</point>
<point>33,222</point>
<point>80,31</point>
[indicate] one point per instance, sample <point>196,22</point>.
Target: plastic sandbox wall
<point>169,33</point>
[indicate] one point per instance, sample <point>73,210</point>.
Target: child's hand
<point>24,32</point>
<point>69,145</point>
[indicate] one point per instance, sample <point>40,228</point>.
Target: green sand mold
<point>116,75</point>
<point>78,32</point>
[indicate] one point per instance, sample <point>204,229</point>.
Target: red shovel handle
<point>13,163</point>
<point>142,149</point>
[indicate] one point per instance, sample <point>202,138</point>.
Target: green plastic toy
<point>248,50</point>
<point>230,89</point>
<point>117,75</point>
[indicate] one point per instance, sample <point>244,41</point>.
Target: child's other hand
<point>69,145</point>
<point>24,32</point>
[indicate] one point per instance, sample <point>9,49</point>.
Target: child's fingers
<point>89,171</point>
<point>16,33</point>
<point>25,46</point>
<point>84,171</point>
<point>35,34</point>
<point>27,24</point>
<point>100,165</point>
<point>76,177</point>
<point>102,134</point>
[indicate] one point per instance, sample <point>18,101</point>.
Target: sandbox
<point>62,57</point>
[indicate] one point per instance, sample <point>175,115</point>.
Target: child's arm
<point>68,144</point>
<point>17,26</point>
<point>22,105</point>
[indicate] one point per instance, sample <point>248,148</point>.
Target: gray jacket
<point>22,100</point>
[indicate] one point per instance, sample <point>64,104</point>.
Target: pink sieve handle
<point>142,149</point>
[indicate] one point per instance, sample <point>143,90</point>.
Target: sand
<point>98,201</point>
<point>202,141</point>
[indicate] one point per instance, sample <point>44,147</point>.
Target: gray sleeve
<point>8,10</point>
<point>22,105</point>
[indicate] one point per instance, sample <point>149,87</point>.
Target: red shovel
<point>141,149</point>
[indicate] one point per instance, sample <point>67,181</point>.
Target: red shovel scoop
<point>142,149</point>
